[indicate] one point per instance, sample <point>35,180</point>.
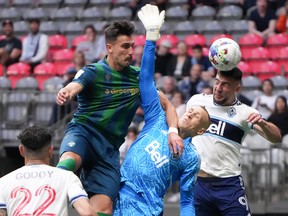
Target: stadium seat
<point>53,84</point>
<point>61,59</point>
<point>250,41</point>
<point>139,40</point>
<point>282,59</point>
<point>184,28</point>
<point>203,12</point>
<point>280,82</point>
<point>73,28</point>
<point>8,137</point>
<point>92,13</point>
<point>38,13</point>
<point>252,94</point>
<point>172,3</point>
<point>176,13</point>
<point>267,70</point>
<point>76,40</point>
<point>119,13</point>
<point>20,28</point>
<point>100,3</point>
<point>139,28</point>
<point>275,43</point>
<point>44,71</point>
<point>211,29</point>
<point>251,83</point>
<point>237,28</point>
<point>172,38</point>
<point>27,84</point>
<point>49,28</point>
<point>194,39</point>
<point>120,3</point>
<point>56,42</point>
<point>65,13</point>
<point>1,70</point>
<point>5,83</point>
<point>246,68</point>
<point>21,3</point>
<point>259,53</point>
<point>218,36</point>
<point>10,13</point>
<point>75,3</point>
<point>49,3</point>
<point>230,12</point>
<point>17,71</point>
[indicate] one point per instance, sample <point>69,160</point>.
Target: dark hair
<point>117,28</point>
<point>34,20</point>
<point>285,102</point>
<point>235,73</point>
<point>90,27</point>
<point>268,80</point>
<point>197,46</point>
<point>35,137</point>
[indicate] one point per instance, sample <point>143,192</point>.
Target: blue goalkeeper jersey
<point>148,168</point>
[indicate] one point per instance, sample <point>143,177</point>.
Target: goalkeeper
<point>149,167</point>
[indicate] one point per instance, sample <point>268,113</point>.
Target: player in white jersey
<point>219,189</point>
<point>37,188</point>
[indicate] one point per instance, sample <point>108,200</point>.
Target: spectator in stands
<point>35,45</point>
<point>10,46</point>
<point>163,56</point>
<point>265,103</point>
<point>78,60</point>
<point>178,102</point>
<point>137,58</point>
<point>180,64</point>
<point>91,48</point>
<point>129,139</point>
<point>282,21</point>
<point>192,85</point>
<point>279,116</point>
<point>168,85</point>
<point>200,58</point>
<point>262,20</point>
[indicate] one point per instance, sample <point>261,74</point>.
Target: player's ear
<point>50,151</point>
<point>21,150</point>
<point>201,131</point>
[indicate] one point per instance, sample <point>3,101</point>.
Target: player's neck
<point>112,64</point>
<point>29,162</point>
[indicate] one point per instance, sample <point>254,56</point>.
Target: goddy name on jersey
<point>219,147</point>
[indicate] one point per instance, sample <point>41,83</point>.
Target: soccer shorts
<point>130,203</point>
<point>221,196</point>
<point>100,160</point>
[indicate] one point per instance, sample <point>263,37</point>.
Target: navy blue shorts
<point>221,196</point>
<point>100,160</point>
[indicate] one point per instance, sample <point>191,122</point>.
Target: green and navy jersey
<point>109,99</point>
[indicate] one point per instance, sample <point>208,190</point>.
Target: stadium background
<point>264,167</point>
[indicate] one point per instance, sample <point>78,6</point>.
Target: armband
<point>173,130</point>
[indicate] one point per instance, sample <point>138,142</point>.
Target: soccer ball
<point>224,54</point>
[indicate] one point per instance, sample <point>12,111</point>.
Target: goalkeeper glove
<point>152,21</point>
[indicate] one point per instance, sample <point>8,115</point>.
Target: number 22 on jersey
<point>39,211</point>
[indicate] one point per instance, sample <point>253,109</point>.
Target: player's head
<point>226,85</point>
<point>35,143</point>
<point>195,121</point>
<point>119,44</point>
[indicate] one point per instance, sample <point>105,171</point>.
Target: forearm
<point>3,212</point>
<point>269,131</point>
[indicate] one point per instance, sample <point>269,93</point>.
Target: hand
<point>255,118</point>
<point>63,97</point>
<point>152,21</point>
<point>176,144</point>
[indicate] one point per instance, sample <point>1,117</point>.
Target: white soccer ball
<point>224,54</point>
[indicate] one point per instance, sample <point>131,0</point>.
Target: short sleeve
<point>85,76</point>
<point>75,189</point>
<point>18,44</point>
<point>1,43</point>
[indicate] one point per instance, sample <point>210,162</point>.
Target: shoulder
<point>43,36</point>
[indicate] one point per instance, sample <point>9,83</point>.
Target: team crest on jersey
<point>71,144</point>
<point>231,112</point>
<point>108,77</point>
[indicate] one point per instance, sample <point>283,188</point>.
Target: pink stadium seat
<point>76,40</point>
<point>275,43</point>
<point>194,39</point>
<point>139,40</point>
<point>216,37</point>
<point>251,40</point>
<point>62,58</point>
<point>17,71</point>
<point>1,70</point>
<point>44,71</point>
<point>56,42</point>
<point>282,60</point>
<point>246,68</point>
<point>267,70</point>
<point>172,38</point>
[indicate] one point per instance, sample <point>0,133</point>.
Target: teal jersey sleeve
<point>85,76</point>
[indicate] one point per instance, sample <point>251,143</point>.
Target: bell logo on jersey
<point>218,129</point>
<point>159,160</point>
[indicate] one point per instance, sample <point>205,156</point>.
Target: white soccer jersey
<point>219,147</point>
<point>39,190</point>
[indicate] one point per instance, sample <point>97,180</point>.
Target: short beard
<point>220,102</point>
